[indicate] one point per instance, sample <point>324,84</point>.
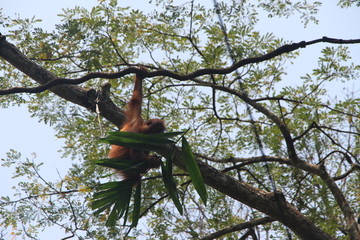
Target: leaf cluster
<point>116,195</point>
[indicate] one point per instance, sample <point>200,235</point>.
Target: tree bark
<point>272,204</point>
<point>87,98</point>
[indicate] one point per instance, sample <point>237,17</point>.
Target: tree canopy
<point>279,151</point>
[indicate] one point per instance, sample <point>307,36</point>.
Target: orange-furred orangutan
<point>135,123</point>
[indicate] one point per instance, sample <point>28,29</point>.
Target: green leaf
<point>170,185</point>
<point>125,165</point>
<point>137,205</point>
<point>103,204</point>
<point>116,185</point>
<point>147,142</point>
<point>193,170</point>
<point>115,196</point>
<point>121,206</point>
<point>126,211</point>
<point>168,134</point>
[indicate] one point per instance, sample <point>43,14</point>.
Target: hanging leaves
<point>170,183</point>
<point>115,196</point>
<point>193,170</point>
<point>140,141</point>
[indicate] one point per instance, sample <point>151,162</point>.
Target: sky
<point>31,138</point>
<point>35,141</point>
<point>16,121</point>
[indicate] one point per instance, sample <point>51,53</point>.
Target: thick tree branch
<point>330,182</point>
<point>74,94</point>
<point>248,160</point>
<point>272,204</point>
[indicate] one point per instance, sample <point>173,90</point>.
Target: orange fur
<point>135,123</point>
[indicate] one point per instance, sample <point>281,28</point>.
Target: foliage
<point>320,107</point>
<point>117,195</point>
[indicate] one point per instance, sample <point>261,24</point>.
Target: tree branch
<point>238,227</point>
<point>75,94</point>
<point>272,204</point>
<point>353,230</point>
<point>352,169</point>
<point>6,47</point>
